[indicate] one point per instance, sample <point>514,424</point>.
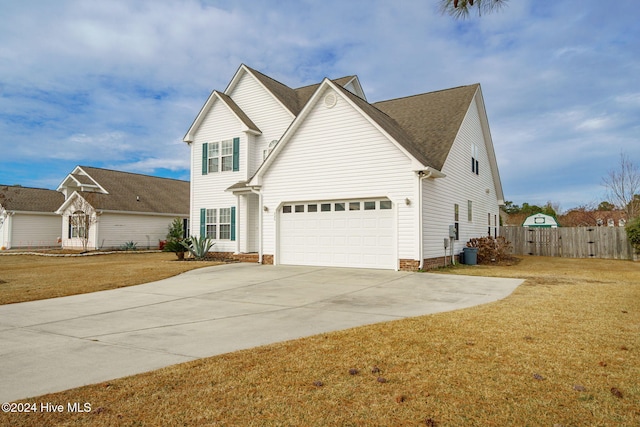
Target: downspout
<point>421,176</point>
<point>260,210</point>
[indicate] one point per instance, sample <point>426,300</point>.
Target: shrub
<point>633,233</point>
<point>129,246</point>
<point>490,249</point>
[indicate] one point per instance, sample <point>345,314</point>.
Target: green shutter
<point>236,154</point>
<point>203,223</point>
<point>233,223</point>
<point>205,158</point>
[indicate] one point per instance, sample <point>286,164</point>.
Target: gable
<point>335,149</point>
<point>236,113</point>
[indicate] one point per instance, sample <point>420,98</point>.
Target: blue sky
<point>117,84</point>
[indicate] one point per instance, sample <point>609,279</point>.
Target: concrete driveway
<point>61,343</point>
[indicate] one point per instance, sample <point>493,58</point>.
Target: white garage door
<point>345,233</point>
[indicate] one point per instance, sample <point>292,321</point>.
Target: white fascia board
<point>97,184</point>
<point>356,82</point>
<point>493,163</point>
<point>188,137</point>
<point>68,202</point>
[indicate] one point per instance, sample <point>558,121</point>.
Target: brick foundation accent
<point>409,264</point>
<point>431,263</point>
<point>267,259</point>
<point>230,256</point>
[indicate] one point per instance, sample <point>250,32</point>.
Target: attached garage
<point>339,233</point>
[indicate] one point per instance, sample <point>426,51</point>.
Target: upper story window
<point>221,156</point>
<point>474,159</point>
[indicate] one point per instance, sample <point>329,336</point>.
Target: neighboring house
<point>28,218</point>
<point>120,207</point>
<point>319,176</point>
<point>540,220</point>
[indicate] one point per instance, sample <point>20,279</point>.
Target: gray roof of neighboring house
<point>17,198</point>
<point>131,192</point>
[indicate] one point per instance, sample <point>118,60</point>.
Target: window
<point>474,159</point>
<point>354,206</point>
<point>78,223</point>
<point>217,224</point>
<point>299,208</point>
<point>214,156</point>
<point>212,224</point>
<point>221,156</point>
<point>489,224</point>
<point>225,224</point>
<point>325,207</point>
<point>286,209</point>
<point>369,206</point>
<point>385,204</point>
<point>456,218</point>
<point>339,207</point>
<point>312,208</point>
<point>469,211</point>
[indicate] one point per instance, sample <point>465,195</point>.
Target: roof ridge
<point>133,173</point>
<point>315,84</point>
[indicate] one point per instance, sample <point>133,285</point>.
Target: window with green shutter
<point>221,156</point>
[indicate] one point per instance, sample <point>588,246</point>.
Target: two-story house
<point>319,176</point>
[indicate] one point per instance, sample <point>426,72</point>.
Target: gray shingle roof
<point>156,195</point>
<point>16,198</point>
<point>431,120</point>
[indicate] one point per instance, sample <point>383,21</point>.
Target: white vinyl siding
<point>338,154</point>
<point>208,190</point>
<point>271,117</point>
<point>30,230</point>
<point>113,230</point>
<point>460,187</point>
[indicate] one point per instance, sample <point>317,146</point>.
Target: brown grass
<point>560,350</point>
<point>32,277</point>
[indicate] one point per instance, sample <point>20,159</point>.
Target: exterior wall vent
<point>330,100</point>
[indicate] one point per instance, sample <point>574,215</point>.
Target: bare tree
<point>462,8</point>
<point>81,220</point>
<point>623,186</point>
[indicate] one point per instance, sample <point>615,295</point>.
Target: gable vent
<point>330,100</point>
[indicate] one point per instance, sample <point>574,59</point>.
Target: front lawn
<point>32,277</point>
<point>562,350</point>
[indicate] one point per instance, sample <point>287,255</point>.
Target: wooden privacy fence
<point>570,242</point>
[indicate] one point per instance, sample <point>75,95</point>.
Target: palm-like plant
<point>462,8</point>
<point>199,248</point>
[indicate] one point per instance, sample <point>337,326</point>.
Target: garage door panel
<point>349,238</point>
